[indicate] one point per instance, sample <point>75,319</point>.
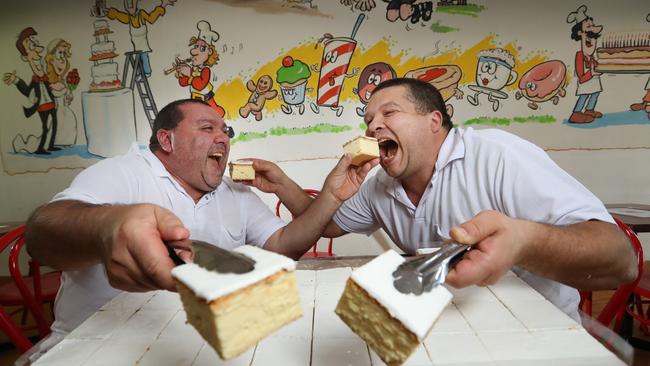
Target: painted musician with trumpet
<point>195,72</point>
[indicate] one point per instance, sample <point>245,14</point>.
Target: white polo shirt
<point>477,170</point>
<point>230,216</point>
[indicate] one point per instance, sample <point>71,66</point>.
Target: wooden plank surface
<point>508,323</point>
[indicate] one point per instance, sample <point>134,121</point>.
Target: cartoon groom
<point>31,52</point>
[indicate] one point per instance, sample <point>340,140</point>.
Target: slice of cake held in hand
<point>242,170</point>
<point>392,323</point>
<point>362,149</point>
<point>232,312</point>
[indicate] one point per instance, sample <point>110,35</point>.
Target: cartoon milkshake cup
<point>292,77</point>
<point>334,66</point>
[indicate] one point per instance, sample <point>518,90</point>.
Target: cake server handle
<point>172,254</point>
<point>212,257</point>
<point>423,274</point>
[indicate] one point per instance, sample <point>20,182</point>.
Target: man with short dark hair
<point>488,188</point>
<point>107,230</point>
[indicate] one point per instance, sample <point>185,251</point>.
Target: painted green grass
<point>248,136</point>
<point>290,131</point>
<point>319,128</point>
<point>437,28</point>
<point>495,121</point>
<point>471,10</point>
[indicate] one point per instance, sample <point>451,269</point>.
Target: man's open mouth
<point>216,156</point>
<point>387,148</point>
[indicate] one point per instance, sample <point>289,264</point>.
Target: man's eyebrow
<point>389,104</point>
<point>207,120</point>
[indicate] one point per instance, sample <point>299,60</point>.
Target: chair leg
<point>13,332</point>
<point>23,316</point>
<point>644,325</point>
<point>638,306</point>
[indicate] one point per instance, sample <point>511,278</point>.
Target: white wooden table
<point>505,324</point>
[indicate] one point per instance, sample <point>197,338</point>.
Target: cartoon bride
<point>58,64</point>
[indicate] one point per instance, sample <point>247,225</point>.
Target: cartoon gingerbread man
<point>260,93</point>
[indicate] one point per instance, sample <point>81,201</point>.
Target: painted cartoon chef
<point>195,71</point>
<point>334,67</point>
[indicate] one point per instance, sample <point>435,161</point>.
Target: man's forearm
<point>67,235</point>
<point>301,233</point>
<point>294,198</point>
<point>588,255</point>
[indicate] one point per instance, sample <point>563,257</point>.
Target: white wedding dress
<point>66,134</point>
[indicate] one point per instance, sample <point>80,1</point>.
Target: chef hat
<point>206,33</point>
<point>578,16</point>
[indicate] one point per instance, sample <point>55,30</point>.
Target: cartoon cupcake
<point>292,77</point>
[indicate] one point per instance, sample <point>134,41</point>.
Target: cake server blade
<point>422,274</point>
<point>213,258</point>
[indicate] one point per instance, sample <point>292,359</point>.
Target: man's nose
<point>374,126</point>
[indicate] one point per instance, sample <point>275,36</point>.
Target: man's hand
<point>345,179</point>
<point>269,178</point>
<point>498,243</point>
<point>132,249</point>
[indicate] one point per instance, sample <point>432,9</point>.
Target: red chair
<point>616,305</point>
<point>314,250</point>
<point>639,309</point>
<point>26,292</point>
<point>13,331</point>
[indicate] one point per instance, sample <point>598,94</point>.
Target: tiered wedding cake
<point>104,69</point>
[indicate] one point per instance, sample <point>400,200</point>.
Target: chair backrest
<point>15,240</point>
<point>617,302</point>
<point>314,250</point>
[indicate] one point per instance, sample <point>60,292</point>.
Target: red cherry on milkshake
<point>287,61</point>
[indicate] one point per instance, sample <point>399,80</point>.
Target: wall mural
<point>308,83</point>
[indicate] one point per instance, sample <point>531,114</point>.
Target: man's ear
<point>165,140</point>
<point>436,121</point>
<point>24,58</point>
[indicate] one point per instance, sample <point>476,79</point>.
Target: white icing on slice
<point>211,285</point>
<point>417,313</point>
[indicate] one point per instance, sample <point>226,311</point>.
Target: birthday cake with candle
<point>624,52</point>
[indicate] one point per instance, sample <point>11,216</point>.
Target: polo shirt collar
<point>453,148</point>
<point>155,163</point>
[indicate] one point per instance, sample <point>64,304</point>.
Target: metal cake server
<point>213,258</point>
<point>424,273</point>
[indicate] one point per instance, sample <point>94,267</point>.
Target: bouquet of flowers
<point>72,80</point>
